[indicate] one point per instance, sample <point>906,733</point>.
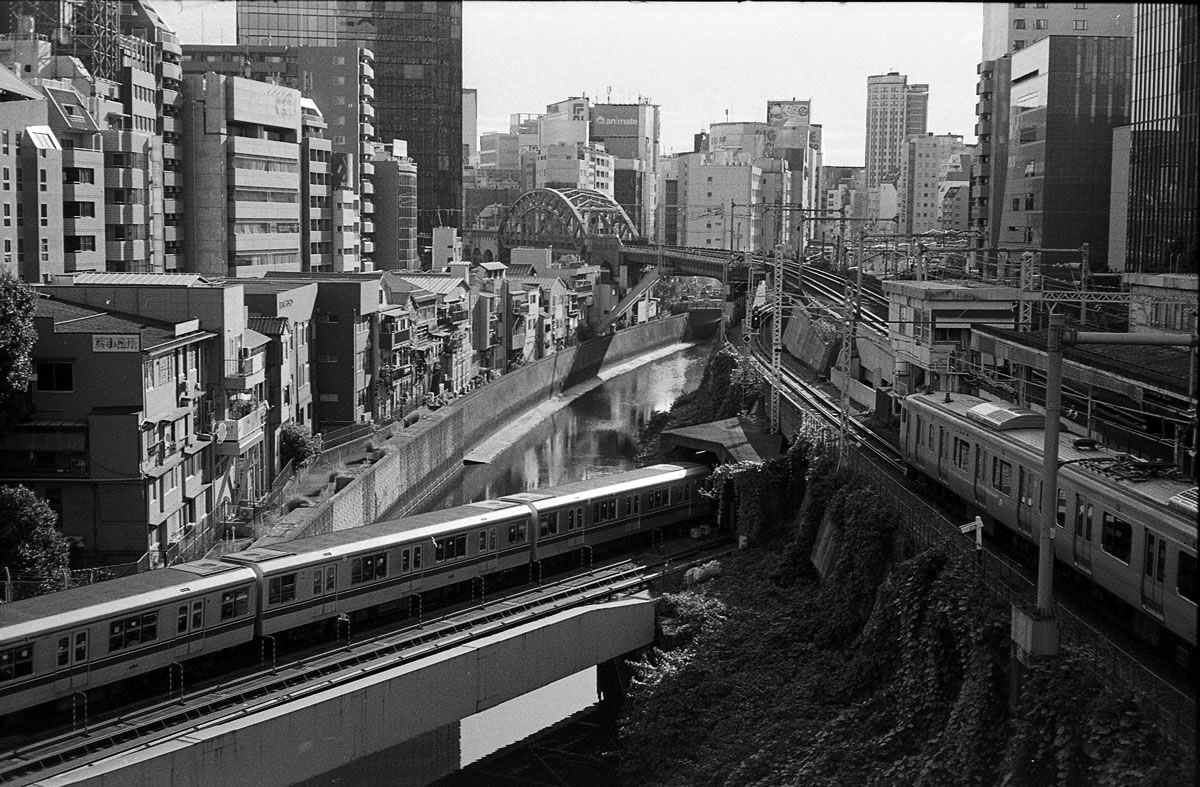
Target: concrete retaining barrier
<point>431,449</point>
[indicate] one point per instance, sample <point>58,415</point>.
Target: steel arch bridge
<point>564,218</point>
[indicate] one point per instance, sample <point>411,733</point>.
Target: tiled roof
<point>73,318</point>
<point>443,285</point>
<point>172,279</point>
<point>268,326</point>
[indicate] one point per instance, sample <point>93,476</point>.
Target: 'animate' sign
<point>616,121</point>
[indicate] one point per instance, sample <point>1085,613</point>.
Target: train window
<point>365,569</point>
<point>404,560</point>
<point>81,638</point>
<point>628,505</point>
<point>1001,476</point>
<point>281,589</point>
<point>570,519</point>
<point>637,503</point>
<point>16,662</point>
<point>64,651</point>
<point>483,541</point>
<point>181,622</point>
<point>235,603</point>
<point>439,550</point>
<point>962,453</point>
<point>1061,514</point>
<point>492,538</point>
<point>920,433</point>
<point>197,615</point>
<point>331,578</point>
<point>316,587</point>
<point>133,631</point>
<point>417,557</point>
<point>596,512</point>
<point>1116,537</point>
<point>932,448</point>
<point>1185,576</point>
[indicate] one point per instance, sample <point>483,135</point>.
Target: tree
<point>298,444</point>
<point>17,336</point>
<point>31,547</point>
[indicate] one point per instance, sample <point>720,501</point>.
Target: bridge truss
<point>564,218</point>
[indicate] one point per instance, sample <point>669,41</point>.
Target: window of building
<point>1016,203</point>
<point>56,376</point>
<point>1081,6</point>
<point>1041,24</point>
<point>1185,578</point>
<point>1018,24</point>
<point>1080,24</point>
<point>1018,43</point>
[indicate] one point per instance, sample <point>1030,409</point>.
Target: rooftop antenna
<point>608,95</point>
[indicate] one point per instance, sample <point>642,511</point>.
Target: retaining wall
<point>432,449</point>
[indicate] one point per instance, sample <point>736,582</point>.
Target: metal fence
<point>923,527</point>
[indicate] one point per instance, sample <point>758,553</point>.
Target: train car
<point>321,577</point>
<point>1128,525</point>
<point>60,644</point>
<point>592,512</point>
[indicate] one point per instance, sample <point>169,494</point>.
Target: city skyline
<point>515,79</point>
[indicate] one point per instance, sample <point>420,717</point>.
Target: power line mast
<point>846,352</point>
<point>777,338</point>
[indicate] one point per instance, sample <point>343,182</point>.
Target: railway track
<point>276,685</point>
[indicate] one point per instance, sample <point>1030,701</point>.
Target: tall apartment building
<point>895,110</point>
<point>340,81</point>
<point>713,197</point>
<point>396,209</point>
<point>925,162</point>
<point>842,189</point>
<point>418,79</point>
<point>1160,234</point>
<point>242,167</point>
<point>1009,28</point>
<point>1067,95</point>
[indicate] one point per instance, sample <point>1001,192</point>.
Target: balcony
<point>390,340</point>
<point>172,71</point>
<point>368,112</point>
<point>983,127</point>
<point>242,374</point>
<point>240,434</point>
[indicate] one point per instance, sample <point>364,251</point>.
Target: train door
<point>977,479</point>
<point>1082,549</point>
<point>1154,566</point>
<point>488,542</point>
<point>941,454</point>
<point>71,653</point>
<point>328,576</point>
<point>1026,500</point>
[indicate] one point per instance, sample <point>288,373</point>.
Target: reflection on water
<point>594,435</point>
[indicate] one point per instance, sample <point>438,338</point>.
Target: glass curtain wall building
<point>1164,140</point>
<point>418,78</point>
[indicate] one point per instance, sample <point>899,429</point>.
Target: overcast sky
<point>698,61</point>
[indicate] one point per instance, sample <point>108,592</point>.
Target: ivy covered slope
<point>877,674</point>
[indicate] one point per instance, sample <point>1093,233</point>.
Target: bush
<point>298,444</point>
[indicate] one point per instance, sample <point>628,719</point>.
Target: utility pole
<point>777,337</point>
<point>846,354</point>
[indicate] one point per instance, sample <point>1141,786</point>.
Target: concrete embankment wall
<point>816,343</point>
<point>432,449</point>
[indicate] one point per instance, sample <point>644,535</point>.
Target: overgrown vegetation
<point>298,444</point>
<point>31,547</point>
<point>878,673</point>
<point>17,337</point>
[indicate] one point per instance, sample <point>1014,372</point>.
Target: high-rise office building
<point>1067,95</point>
<point>1010,27</point>
<point>470,126</point>
<point>418,78</point>
<point>895,110</point>
<point>1164,137</point>
<point>925,162</point>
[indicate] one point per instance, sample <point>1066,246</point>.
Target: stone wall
<point>431,450</point>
